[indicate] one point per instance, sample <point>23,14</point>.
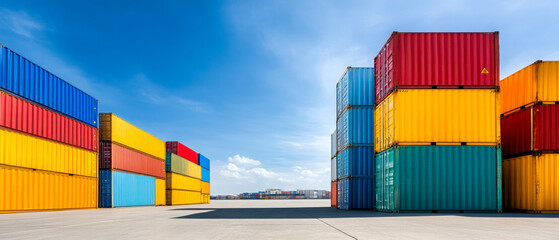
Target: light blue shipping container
<point>333,169</point>
<point>205,175</point>
<point>439,178</point>
<point>356,193</point>
<point>356,162</point>
<point>355,87</point>
<point>203,161</point>
<point>356,128</point>
<point>122,189</point>
<point>25,79</point>
<point>334,143</point>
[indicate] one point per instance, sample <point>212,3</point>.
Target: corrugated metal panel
<point>115,129</point>
<point>114,156</point>
<point>180,197</point>
<point>334,194</point>
<point>205,175</point>
<point>121,189</point>
<point>203,161</point>
<point>181,182</point>
<point>205,188</point>
<point>206,198</point>
<point>517,132</point>
<point>27,190</point>
<point>183,151</point>
<point>445,60</point>
<point>530,183</point>
<point>333,169</point>
<point>356,162</point>
<point>356,193</point>
<point>26,151</point>
<point>24,116</point>
<point>160,193</point>
<point>441,116</point>
<point>439,178</point>
<point>356,128</point>
<point>334,143</point>
<point>534,83</point>
<point>24,78</point>
<point>546,127</point>
<point>177,164</point>
<point>356,87</point>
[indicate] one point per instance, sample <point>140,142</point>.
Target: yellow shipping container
<point>538,82</point>
<point>205,198</point>
<point>181,182</point>
<point>205,188</point>
<point>115,129</point>
<point>160,192</point>
<point>28,190</point>
<point>25,151</point>
<point>180,197</point>
<point>438,116</point>
<point>530,183</point>
<point>185,167</point>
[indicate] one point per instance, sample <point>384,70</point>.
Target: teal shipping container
<point>439,179</point>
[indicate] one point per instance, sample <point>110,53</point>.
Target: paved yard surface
<point>270,219</point>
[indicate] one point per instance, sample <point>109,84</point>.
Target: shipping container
<point>177,164</point>
<point>205,175</point>
<point>160,194</point>
<point>438,117</point>
<point>21,115</point>
<point>438,178</point>
<point>334,144</point>
<point>23,78</point>
<point>334,194</point>
<point>356,193</point>
<point>122,189</point>
<point>25,151</point>
<point>538,82</point>
<point>437,60</point>
<point>205,188</point>
<point>115,129</point>
<point>355,87</point>
<point>183,151</point>
<point>356,162</point>
<point>28,190</point>
<point>530,183</point>
<point>181,197</point>
<point>356,128</point>
<point>206,198</point>
<point>181,182</point>
<point>114,156</point>
<point>203,161</point>
<point>333,169</point>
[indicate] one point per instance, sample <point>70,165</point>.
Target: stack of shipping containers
<point>355,139</point>
<point>132,165</point>
<point>184,184</point>
<point>333,171</point>
<point>204,163</point>
<point>48,140</point>
<point>437,123</point>
<point>530,129</point>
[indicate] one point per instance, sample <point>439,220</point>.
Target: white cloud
<point>244,160</point>
<point>19,22</point>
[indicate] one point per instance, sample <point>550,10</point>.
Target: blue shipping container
<point>356,87</point>
<point>356,162</point>
<point>21,77</point>
<point>356,193</point>
<point>438,178</point>
<point>356,128</point>
<point>203,161</point>
<point>205,175</point>
<point>121,189</point>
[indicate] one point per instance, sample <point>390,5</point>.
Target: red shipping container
<point>114,156</point>
<point>183,151</point>
<point>26,117</point>
<point>334,194</point>
<point>531,129</point>
<point>437,60</point>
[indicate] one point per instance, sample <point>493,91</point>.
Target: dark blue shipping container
<point>203,161</point>
<point>356,193</point>
<point>356,162</point>
<point>356,127</point>
<point>205,175</point>
<point>356,87</point>
<point>21,77</point>
<point>121,189</point>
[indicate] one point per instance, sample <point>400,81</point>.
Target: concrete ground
<point>270,219</point>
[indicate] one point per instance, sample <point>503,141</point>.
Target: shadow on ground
<point>327,212</point>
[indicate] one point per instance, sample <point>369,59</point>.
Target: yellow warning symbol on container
<point>484,71</point>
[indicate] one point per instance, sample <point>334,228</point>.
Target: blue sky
<point>250,84</point>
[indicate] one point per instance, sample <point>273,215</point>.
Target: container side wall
<point>548,182</point>
<point>548,81</point>
<point>132,189</point>
<point>114,156</point>
<point>181,182</point>
<point>356,87</point>
<point>205,188</point>
<point>181,150</point>
<point>517,132</point>
<point>356,193</point>
<point>203,161</point>
<point>519,89</point>
<point>205,175</point>
<point>546,127</point>
<point>160,192</point>
<point>333,169</point>
<point>519,183</point>
<point>384,162</point>
<point>180,197</point>
<point>356,128</point>
<point>334,194</point>
<point>356,162</point>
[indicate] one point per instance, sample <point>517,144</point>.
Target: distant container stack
<point>437,136</point>
<point>48,140</point>
<point>132,164</point>
<point>354,155</point>
<point>187,181</point>
<point>530,129</point>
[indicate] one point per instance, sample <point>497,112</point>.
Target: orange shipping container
<point>334,194</point>
<point>205,188</point>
